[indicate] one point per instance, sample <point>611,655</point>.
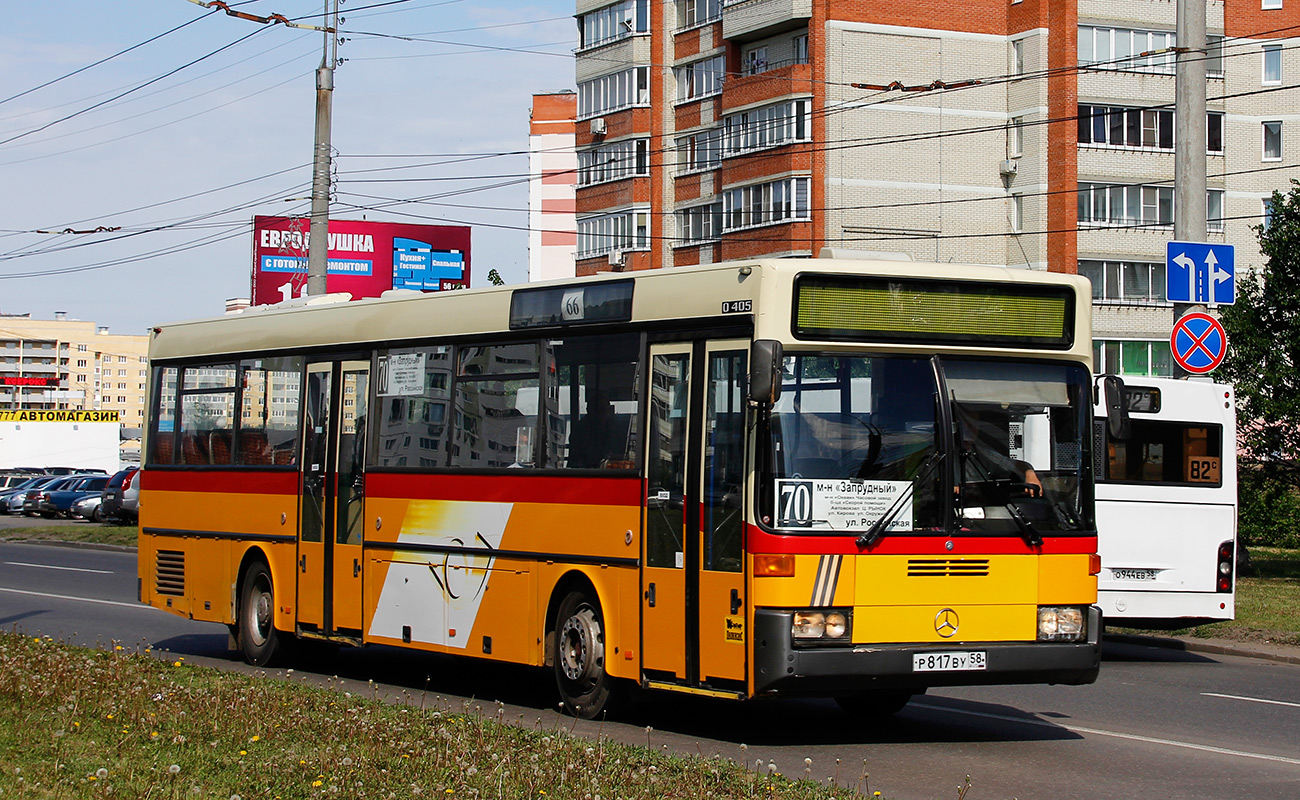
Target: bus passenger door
<point>349,497</point>
<point>664,570</point>
<point>722,602</point>
<point>313,500</point>
<point>331,486</point>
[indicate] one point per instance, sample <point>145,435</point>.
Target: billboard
<point>365,258</point>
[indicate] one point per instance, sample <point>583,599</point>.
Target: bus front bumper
<point>782,668</point>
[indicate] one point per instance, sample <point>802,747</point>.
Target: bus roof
<point>698,293</point>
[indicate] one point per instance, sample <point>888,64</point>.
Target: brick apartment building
<point>1033,133</point>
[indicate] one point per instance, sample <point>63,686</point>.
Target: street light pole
<point>318,239</point>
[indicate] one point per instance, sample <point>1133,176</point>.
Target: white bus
<point>1166,499</point>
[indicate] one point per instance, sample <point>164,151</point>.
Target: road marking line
<point>1115,734</point>
<point>76,599</point>
<point>52,566</point>
<point>1251,699</point>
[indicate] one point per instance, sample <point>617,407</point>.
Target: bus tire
<point>876,703</point>
<point>578,657</point>
<point>261,644</point>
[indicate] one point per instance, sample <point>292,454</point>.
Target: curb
<point>1282,654</point>
<point>117,548</point>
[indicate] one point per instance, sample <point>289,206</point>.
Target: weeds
<point>80,723</point>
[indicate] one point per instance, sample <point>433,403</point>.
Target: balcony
<point>744,20</point>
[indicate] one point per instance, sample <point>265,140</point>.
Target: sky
<point>180,141</point>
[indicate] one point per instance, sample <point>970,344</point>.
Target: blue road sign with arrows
<point>1199,272</point>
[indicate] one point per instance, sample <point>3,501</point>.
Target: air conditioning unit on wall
<point>598,126</point>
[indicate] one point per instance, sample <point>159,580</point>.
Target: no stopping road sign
<point>1199,343</point>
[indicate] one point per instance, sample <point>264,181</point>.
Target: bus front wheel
<point>579,657</point>
<point>260,642</point>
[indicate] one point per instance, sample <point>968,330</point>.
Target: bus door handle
<point>650,596</point>
<point>735,600</point>
<point>356,567</point>
<point>302,563</point>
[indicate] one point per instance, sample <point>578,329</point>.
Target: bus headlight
<point>824,626</point>
<point>1060,624</point>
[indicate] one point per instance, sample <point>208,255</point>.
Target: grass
<point>87,532</point>
<point>82,723</point>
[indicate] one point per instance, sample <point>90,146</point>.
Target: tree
<point>1263,359</point>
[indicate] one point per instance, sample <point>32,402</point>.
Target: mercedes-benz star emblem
<point>946,622</point>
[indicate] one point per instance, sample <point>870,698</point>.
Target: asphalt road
<point>1158,723</point>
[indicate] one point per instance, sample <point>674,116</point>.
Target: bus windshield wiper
<point>877,529</point>
<point>1027,530</point>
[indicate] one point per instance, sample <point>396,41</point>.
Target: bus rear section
<point>1167,506</point>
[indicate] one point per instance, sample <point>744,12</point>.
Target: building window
<point>697,12</point>
<point>770,126</point>
<point>1121,205</point>
<point>1132,358</point>
<point>765,203</point>
<point>1272,70</point>
<point>800,46</point>
<point>1016,137</point>
<point>1125,281</point>
<point>613,162</point>
<point>1118,126</point>
<point>81,362</point>
<point>1272,141</point>
<point>1017,213</point>
<point>1267,215</point>
<point>81,348</point>
<point>1018,57</point>
<point>618,90</point>
<point>1214,133</point>
<point>1214,210</point>
<point>755,60</point>
<point>700,78</point>
<point>613,22</point>
<point>1214,56</point>
<point>699,151</point>
<point>1270,5</point>
<point>628,230</point>
<point>1126,49</point>
<point>700,223</point>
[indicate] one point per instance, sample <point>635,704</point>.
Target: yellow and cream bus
<point>848,479</point>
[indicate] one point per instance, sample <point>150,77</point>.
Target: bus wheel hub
<point>582,648</point>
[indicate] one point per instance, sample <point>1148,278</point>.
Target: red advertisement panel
<point>365,258</point>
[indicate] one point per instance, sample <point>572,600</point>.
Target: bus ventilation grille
<point>170,575</point>
<point>947,568</point>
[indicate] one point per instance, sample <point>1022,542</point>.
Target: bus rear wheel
<point>876,703</point>
<point>578,656</point>
<point>260,642</point>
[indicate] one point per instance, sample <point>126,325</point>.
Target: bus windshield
<point>854,439</point>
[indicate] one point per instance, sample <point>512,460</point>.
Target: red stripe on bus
<point>760,541</point>
<point>507,489</point>
<point>219,482</point>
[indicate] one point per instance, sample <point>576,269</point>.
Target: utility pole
<point>318,239</point>
<point>1189,123</point>
<point>1189,133</point>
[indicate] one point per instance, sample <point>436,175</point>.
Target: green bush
<point>1268,511</point>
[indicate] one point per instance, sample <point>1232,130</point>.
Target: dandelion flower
<point>243,752</point>
<point>255,739</point>
<point>101,773</point>
<point>174,769</point>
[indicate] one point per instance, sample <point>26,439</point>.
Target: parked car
<point>75,471</point>
<point>122,496</point>
<point>58,502</point>
<point>31,505</point>
<point>89,508</point>
<point>10,478</point>
<point>11,500</point>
